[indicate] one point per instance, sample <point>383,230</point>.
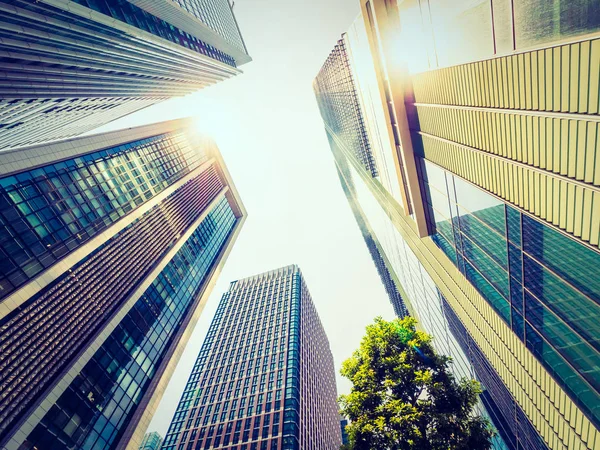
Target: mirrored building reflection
<point>151,441</point>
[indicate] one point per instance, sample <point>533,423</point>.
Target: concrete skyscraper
<point>473,165</point>
<point>69,66</point>
<point>264,378</point>
<point>110,246</point>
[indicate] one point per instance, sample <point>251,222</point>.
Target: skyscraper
<point>482,122</point>
<point>264,378</point>
<point>69,66</point>
<point>110,245</point>
<point>151,441</point>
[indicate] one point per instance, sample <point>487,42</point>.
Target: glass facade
<point>499,101</point>
<point>234,395</point>
<point>47,212</point>
<point>365,79</point>
<point>541,282</point>
<point>377,254</point>
<point>537,21</point>
<point>245,390</point>
<point>96,407</point>
<point>127,12</point>
<point>431,308</point>
<point>291,405</point>
<point>41,337</point>
<point>508,417</point>
<point>338,100</point>
<point>76,65</point>
<point>27,121</point>
<point>152,441</point>
<point>218,15</point>
<point>439,33</point>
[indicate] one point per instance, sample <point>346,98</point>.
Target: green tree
<point>404,396</point>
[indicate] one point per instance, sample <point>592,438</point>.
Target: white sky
<point>268,127</point>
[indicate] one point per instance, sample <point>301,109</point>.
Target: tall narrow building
<point>151,441</point>
<point>264,378</point>
<point>110,245</point>
<point>483,194</point>
<point>69,66</point>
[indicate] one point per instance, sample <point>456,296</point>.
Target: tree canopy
<point>405,397</point>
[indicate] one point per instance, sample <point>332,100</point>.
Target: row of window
<point>41,336</point>
<point>49,211</point>
<point>140,18</point>
<point>246,319</point>
<point>542,283</point>
<point>95,409</point>
<point>268,422</point>
<point>218,15</point>
<point>291,430</point>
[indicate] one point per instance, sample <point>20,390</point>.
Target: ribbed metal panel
<point>524,127</point>
<point>563,78</point>
<point>568,205</point>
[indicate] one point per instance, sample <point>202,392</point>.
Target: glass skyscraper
<point>69,66</point>
<point>151,441</point>
<point>264,378</point>
<point>110,245</point>
<point>482,196</point>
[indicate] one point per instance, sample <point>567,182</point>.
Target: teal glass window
<point>562,255</point>
<point>513,221</point>
<point>578,389</point>
<point>47,212</point>
<point>493,244</point>
<point>479,204</point>
<point>578,311</point>
<point>550,279</point>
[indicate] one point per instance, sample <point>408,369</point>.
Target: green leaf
<point>405,397</point>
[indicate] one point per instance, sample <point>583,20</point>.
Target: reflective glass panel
<point>95,409</point>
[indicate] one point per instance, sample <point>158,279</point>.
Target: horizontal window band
<point>90,295</point>
<point>563,147</point>
<point>564,78</point>
<point>566,204</point>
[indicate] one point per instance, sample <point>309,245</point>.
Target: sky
<point>267,125</point>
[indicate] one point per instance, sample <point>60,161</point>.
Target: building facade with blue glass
<point>483,121</point>
<point>110,246</point>
<point>151,441</point>
<point>69,66</point>
<point>264,378</point>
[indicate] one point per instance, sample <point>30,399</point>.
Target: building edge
<point>510,358</point>
<point>29,158</point>
<point>135,431</point>
<point>170,12</point>
<point>138,426</point>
